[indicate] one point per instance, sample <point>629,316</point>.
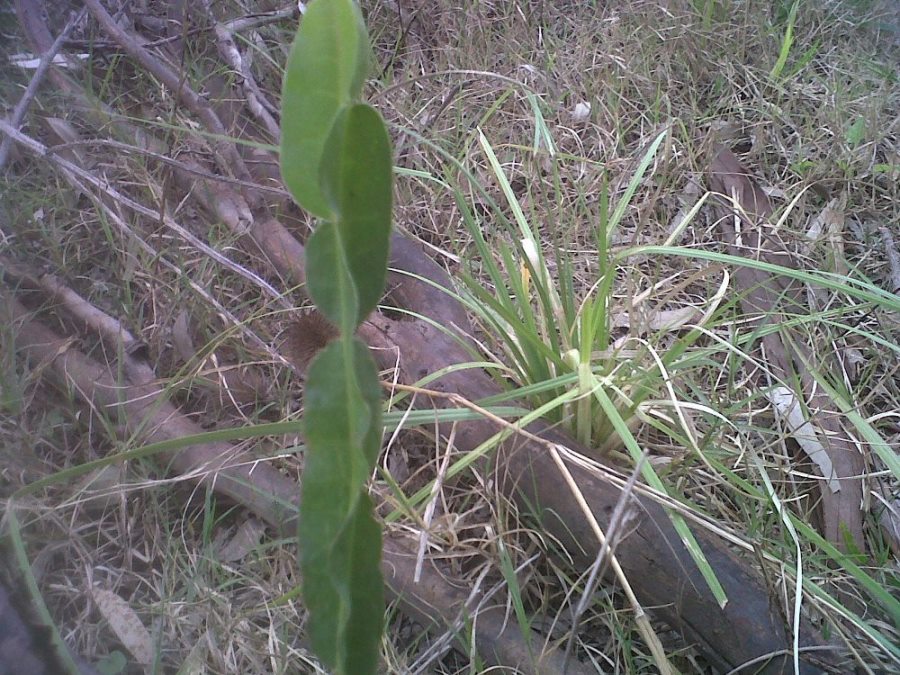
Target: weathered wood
<point>655,560</point>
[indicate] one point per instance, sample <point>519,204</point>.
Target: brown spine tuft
<point>305,336</point>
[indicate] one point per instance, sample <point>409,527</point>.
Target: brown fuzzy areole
<point>305,336</point>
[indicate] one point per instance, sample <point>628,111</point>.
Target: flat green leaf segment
<point>325,71</point>
<point>337,417</point>
<point>356,179</point>
<point>340,542</point>
<point>328,278</point>
<point>336,161</point>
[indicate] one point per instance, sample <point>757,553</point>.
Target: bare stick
<point>31,91</point>
<point>893,257</point>
<point>73,172</point>
<point>256,100</point>
<point>170,161</point>
<point>110,330</point>
<point>256,20</point>
<point>437,602</point>
<point>230,161</point>
<point>42,150</point>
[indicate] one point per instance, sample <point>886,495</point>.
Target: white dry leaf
<point>195,662</point>
<point>581,112</point>
<point>181,337</point>
<point>126,624</point>
<point>671,319</point>
<point>245,540</point>
<point>660,462</point>
<point>817,226</point>
<point>531,252</point>
<point>790,411</point>
<point>31,62</point>
<point>828,226</point>
<point>688,198</point>
<point>664,319</point>
<point>528,74</point>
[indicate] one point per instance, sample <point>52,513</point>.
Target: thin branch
<point>41,150</point>
<point>110,330</point>
<point>21,108</point>
<point>257,20</point>
<point>170,161</point>
<point>72,173</point>
<point>228,158</point>
<point>255,483</point>
<point>255,98</point>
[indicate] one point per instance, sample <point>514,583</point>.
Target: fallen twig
<point>73,173</point>
<point>256,100</point>
<point>228,158</point>
<point>102,186</point>
<point>652,556</point>
<point>21,108</point>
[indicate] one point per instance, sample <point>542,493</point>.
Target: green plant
<point>336,161</point>
<point>558,344</point>
<point>555,343</point>
<point>555,334</point>
<point>787,42</point>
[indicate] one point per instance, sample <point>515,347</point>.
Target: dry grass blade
<point>231,163</point>
<point>653,553</point>
<point>21,108</point>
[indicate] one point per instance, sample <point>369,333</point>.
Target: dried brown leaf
<point>743,220</point>
<point>181,336</point>
<point>126,624</point>
<point>242,542</point>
